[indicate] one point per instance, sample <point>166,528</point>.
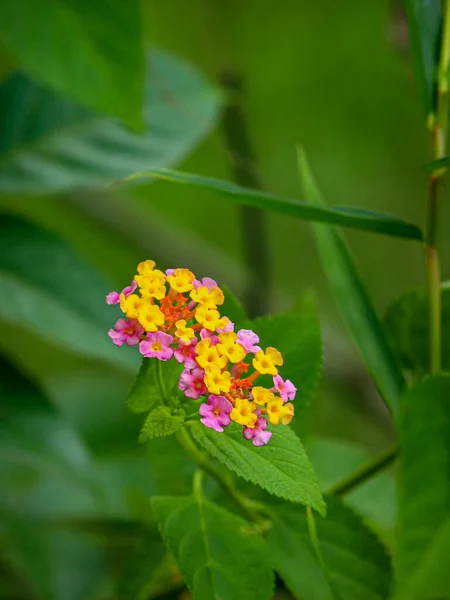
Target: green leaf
<point>47,288</point>
<point>92,52</point>
<point>233,308</point>
<point>440,163</point>
<point>50,144</point>
<point>281,467</point>
<point>145,393</point>
<point>353,301</point>
<point>424,23</point>
<point>406,321</point>
<point>423,545</point>
<point>296,334</point>
<point>161,422</point>
<point>357,218</point>
<point>356,566</point>
<point>219,555</point>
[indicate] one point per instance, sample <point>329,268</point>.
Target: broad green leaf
<point>233,308</point>
<point>424,24</point>
<point>92,52</point>
<point>374,499</point>
<point>154,379</point>
<point>59,146</point>
<point>281,467</point>
<point>357,218</point>
<point>356,565</point>
<point>353,300</point>
<point>296,334</point>
<point>47,288</point>
<point>219,555</point>
<point>406,321</point>
<point>423,545</point>
<point>440,163</point>
<point>160,422</point>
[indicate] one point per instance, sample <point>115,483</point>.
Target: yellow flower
<point>208,355</point>
<point>152,285</point>
<point>217,381</point>
<point>130,305</point>
<point>261,395</point>
<point>146,267</point>
<point>278,411</point>
<point>212,297</point>
<point>185,334</point>
<point>265,363</point>
<point>243,412</point>
<point>228,347</point>
<point>181,280</point>
<point>150,317</point>
<point>210,318</point>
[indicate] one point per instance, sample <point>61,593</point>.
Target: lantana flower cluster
<point>174,316</point>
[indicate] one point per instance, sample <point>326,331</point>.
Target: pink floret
<point>192,383</point>
<point>286,389</point>
<point>114,297</point>
<point>216,413</point>
<point>185,354</point>
<point>258,434</point>
<point>248,340</point>
<point>126,332</point>
<point>157,345</point>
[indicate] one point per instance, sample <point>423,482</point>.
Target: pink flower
<point>126,332</point>
<point>185,354</point>
<point>192,383</point>
<point>247,339</point>
<point>216,413</point>
<point>114,297</point>
<point>229,327</point>
<point>258,433</point>
<point>209,283</point>
<point>157,345</point>
<point>205,333</point>
<point>286,388</point>
<point>170,271</point>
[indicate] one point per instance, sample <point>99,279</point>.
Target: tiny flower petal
<point>157,345</point>
<point>248,340</point>
<point>286,389</point>
<point>192,383</point>
<point>216,413</point>
<point>258,433</point>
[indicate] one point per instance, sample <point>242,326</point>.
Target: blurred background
<point>335,78</point>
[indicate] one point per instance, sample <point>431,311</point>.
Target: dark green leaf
<point>91,51</point>
<point>47,288</point>
<point>49,144</point>
<point>296,334</point>
<point>424,24</point>
<point>406,321</point>
<point>440,163</point>
<point>233,308</point>
<point>423,544</point>
<point>219,556</point>
<point>353,301</point>
<point>356,566</point>
<point>338,215</point>
<point>145,393</point>
<point>281,467</point>
<point>161,422</point>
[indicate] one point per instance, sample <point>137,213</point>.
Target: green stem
<point>253,220</point>
<point>363,473</point>
<point>434,217</point>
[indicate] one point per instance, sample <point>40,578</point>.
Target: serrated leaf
<point>91,51</point>
<point>296,334</point>
<point>161,422</point>
<point>49,289</point>
<point>356,565</point>
<point>423,545</point>
<point>406,321</point>
<point>424,23</point>
<point>353,300</point>
<point>59,146</point>
<point>358,218</point>
<point>219,556</point>
<point>281,467</point>
<point>145,392</point>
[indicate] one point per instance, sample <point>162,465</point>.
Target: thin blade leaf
<point>366,220</point>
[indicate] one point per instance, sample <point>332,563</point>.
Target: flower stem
<point>363,473</point>
<point>439,125</point>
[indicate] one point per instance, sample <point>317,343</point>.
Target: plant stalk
<point>363,473</point>
<point>253,220</point>
<point>439,126</point>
